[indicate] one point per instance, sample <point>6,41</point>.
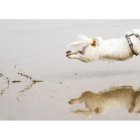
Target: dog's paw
<point>68,53</point>
<point>78,111</point>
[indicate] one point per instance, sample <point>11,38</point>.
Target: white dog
<point>119,49</point>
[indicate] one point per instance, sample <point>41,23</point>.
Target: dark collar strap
<point>133,103</point>
<point>130,42</point>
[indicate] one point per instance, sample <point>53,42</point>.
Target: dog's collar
<point>133,102</point>
<point>130,42</point>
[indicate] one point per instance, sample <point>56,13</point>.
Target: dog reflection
<point>96,103</point>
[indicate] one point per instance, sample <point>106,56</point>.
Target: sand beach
<point>37,80</point>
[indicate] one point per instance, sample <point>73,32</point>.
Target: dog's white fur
<point>99,49</point>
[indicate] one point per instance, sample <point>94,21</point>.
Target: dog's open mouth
<point>68,53</point>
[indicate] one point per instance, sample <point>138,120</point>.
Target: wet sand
<point>36,48</point>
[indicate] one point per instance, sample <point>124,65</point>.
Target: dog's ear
<point>94,43</point>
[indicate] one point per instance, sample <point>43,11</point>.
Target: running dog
<point>119,49</point>
<point>96,103</point>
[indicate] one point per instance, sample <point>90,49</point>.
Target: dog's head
<point>88,49</point>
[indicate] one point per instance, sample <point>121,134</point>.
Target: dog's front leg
<point>87,113</point>
<point>80,57</point>
<point>74,56</point>
<point>85,59</point>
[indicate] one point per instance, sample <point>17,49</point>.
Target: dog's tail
<point>84,41</point>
